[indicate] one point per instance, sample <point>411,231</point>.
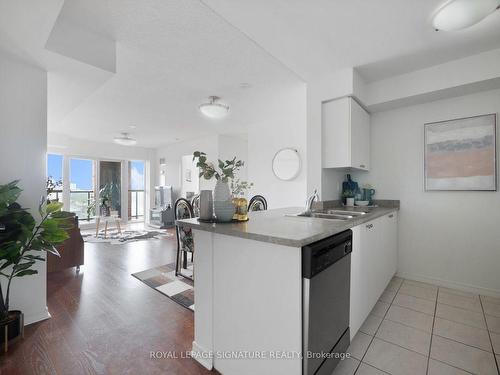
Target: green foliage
<point>239,186</point>
<point>22,237</point>
<point>52,185</point>
<point>226,171</point>
<point>348,194</point>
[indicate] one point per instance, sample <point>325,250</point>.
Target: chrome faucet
<point>310,200</point>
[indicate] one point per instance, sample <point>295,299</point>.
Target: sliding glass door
<point>81,183</point>
<point>110,173</point>
<point>94,187</point>
<point>136,189</point>
<point>54,177</point>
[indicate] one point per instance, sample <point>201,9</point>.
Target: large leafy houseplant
<point>226,170</point>
<point>23,241</point>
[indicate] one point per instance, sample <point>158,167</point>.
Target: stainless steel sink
<point>330,214</point>
<point>346,212</point>
<point>322,215</point>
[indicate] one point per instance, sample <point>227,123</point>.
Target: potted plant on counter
<point>23,243</point>
<point>238,189</point>
<point>223,206</point>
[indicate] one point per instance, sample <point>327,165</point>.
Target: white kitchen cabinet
<point>345,135</point>
<point>373,264</point>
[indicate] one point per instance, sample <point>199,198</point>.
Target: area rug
<point>115,238</point>
<point>163,280</point>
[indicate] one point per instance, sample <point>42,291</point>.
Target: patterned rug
<point>163,279</point>
<point>115,238</point>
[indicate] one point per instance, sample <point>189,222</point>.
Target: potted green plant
<point>238,187</point>
<point>348,194</point>
<point>51,186</point>
<point>223,173</point>
<point>22,244</point>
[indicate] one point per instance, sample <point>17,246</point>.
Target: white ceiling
<point>382,38</point>
<point>170,55</point>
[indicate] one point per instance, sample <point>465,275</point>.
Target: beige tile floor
<point>418,329</point>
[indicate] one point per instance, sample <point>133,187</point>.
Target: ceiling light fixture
<point>125,140</point>
<point>460,14</point>
<point>214,108</point>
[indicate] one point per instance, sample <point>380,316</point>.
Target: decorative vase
<point>222,192</point>
<point>223,206</point>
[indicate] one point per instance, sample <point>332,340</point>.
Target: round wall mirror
<point>286,164</point>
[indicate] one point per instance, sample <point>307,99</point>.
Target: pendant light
<point>125,140</point>
<point>214,108</point>
<point>460,14</point>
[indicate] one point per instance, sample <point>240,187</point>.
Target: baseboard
<point>451,284</point>
<point>37,316</point>
<point>202,356</point>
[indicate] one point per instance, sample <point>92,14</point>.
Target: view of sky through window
<point>80,174</point>
<point>136,175</point>
<point>54,166</point>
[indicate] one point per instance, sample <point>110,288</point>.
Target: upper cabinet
<point>345,135</point>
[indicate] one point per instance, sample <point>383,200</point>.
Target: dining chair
<point>195,204</point>
<point>257,203</point>
<point>185,245</point>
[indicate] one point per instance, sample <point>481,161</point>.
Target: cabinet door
<point>363,273</point>
<point>360,137</point>
<point>391,242</point>
<point>335,133</point>
<point>373,263</point>
<point>357,313</point>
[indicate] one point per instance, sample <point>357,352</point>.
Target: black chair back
<point>183,210</point>
<point>195,204</point>
<point>185,243</point>
<point>257,203</point>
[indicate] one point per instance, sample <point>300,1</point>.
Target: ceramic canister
<point>206,205</point>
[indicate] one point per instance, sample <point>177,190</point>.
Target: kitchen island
<point>248,285</point>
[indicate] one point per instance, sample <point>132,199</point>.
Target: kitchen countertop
<point>274,227</point>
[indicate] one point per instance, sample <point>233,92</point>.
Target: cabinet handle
<point>362,166</point>
<point>391,215</point>
<point>369,226</point>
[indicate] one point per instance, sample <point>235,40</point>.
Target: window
<point>81,181</point>
<point>54,177</point>
<point>136,189</point>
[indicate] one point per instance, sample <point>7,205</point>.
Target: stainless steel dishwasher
<point>326,279</point>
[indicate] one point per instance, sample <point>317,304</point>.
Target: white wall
<point>216,147</point>
<point>193,185</point>
<point>173,153</point>
<point>338,84</point>
<point>283,126</point>
<point>23,143</point>
<point>229,147</point>
<point>454,78</point>
<point>443,236</point>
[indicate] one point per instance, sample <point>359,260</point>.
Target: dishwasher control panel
<point>320,255</point>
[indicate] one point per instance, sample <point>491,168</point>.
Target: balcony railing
<point>55,196</point>
<point>135,204</point>
<point>81,202</point>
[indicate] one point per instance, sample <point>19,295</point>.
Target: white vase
<point>222,192</point>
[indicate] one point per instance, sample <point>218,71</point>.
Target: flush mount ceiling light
<point>214,108</point>
<point>460,14</point>
<point>125,140</point>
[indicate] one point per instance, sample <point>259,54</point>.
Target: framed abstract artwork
<point>460,154</point>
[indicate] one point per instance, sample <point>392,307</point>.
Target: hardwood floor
<point>104,321</point>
